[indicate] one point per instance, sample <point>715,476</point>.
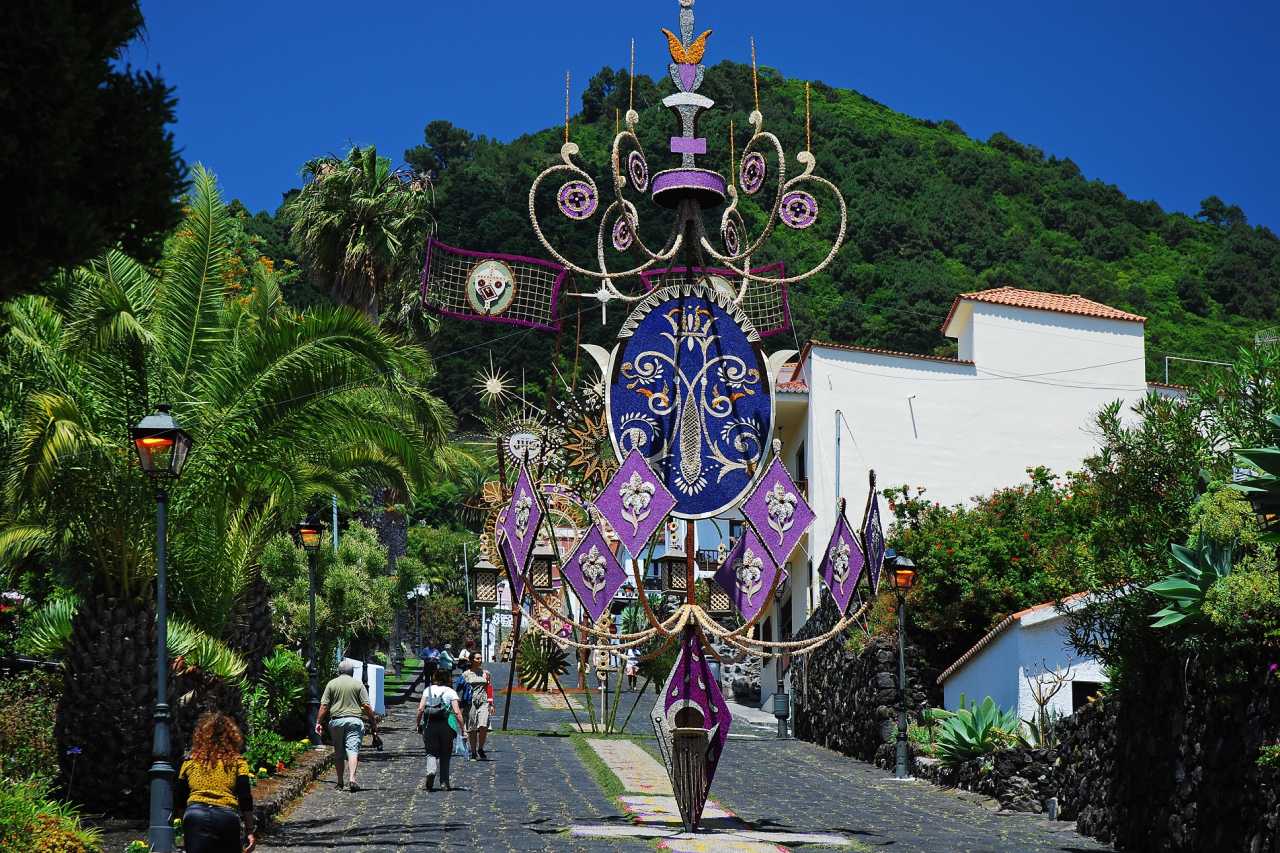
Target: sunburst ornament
<point>587,456</point>
<point>493,385</point>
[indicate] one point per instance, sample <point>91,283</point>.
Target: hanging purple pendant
<point>691,700</point>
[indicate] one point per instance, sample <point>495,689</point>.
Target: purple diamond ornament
<point>594,572</point>
<point>747,574</point>
<point>778,511</point>
<point>873,540</point>
<point>635,502</point>
<point>515,578</point>
<point>520,520</point>
<point>842,563</point>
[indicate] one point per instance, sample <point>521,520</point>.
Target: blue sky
<point>1168,100</point>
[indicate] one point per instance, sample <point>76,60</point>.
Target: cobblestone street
<point>541,784</point>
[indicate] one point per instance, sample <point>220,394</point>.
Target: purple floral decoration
<point>594,572</point>
<point>521,518</point>
<point>577,199</point>
<point>635,502</point>
<point>751,174</point>
<point>842,564</point>
<point>638,171</point>
<point>799,209</point>
<point>778,511</point>
<point>747,574</point>
<point>622,233</point>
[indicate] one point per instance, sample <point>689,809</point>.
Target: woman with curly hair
<point>213,786</point>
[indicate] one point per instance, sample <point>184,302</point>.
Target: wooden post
<point>691,595</point>
<point>515,656</point>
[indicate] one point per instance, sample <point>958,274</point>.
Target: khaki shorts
<point>346,733</point>
<point>478,717</point>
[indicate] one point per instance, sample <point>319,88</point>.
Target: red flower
<point>280,768</point>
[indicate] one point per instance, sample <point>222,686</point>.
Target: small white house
<point>1020,656</point>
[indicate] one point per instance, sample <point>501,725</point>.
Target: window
<point>1082,692</point>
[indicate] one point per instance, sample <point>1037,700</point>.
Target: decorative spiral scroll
<point>574,171</point>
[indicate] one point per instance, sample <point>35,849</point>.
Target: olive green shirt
<point>345,697</point>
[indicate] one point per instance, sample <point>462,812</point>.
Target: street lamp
<point>308,536</point>
<point>162,448</point>
<point>904,575</point>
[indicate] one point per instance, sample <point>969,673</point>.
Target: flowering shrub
<point>1012,549</point>
<point>1246,603</point>
<point>1269,756</point>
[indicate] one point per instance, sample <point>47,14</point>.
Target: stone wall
<point>1170,763</point>
<point>1021,780</point>
<point>1167,762</point>
<point>847,700</point>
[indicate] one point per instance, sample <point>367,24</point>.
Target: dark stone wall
<point>1183,771</point>
<point>848,701</point>
<point>1021,780</point>
<point>1167,762</point>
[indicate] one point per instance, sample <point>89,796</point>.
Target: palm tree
<point>282,407</point>
<point>359,225</point>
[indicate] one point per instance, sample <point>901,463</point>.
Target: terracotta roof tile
<point>794,387</point>
<point>1043,301</point>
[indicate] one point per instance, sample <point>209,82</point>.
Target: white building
<point>1018,657</point>
<point>1031,372</point>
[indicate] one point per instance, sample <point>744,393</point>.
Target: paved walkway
<point>541,785</point>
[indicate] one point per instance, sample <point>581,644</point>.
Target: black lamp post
<point>162,448</point>
<point>904,575</point>
<point>308,536</point>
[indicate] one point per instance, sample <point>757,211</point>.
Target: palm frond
<point>192,293</point>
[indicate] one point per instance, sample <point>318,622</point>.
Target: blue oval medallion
<point>689,388</point>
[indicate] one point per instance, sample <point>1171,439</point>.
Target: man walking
<point>430,660</point>
<point>345,705</point>
<point>479,708</point>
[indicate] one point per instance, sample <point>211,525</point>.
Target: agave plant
<point>282,407</point>
<point>1185,589</point>
<point>1263,489</point>
<point>973,730</point>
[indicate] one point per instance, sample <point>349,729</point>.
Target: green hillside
<point>932,213</point>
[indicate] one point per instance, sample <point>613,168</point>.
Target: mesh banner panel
<point>491,287</point>
<point>765,304</point>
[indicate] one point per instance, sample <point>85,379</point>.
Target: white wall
<point>992,673</point>
<point>1030,647</point>
<point>960,430</point>
<point>1042,643</point>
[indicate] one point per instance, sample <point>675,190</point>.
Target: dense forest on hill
<point>932,213</point>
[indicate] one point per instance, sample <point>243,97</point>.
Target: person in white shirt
<point>437,702</point>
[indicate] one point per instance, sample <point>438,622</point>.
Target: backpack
<point>437,706</point>
<point>463,688</point>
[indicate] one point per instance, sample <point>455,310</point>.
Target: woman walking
<point>479,691</point>
<point>213,788</point>
<point>437,702</point>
